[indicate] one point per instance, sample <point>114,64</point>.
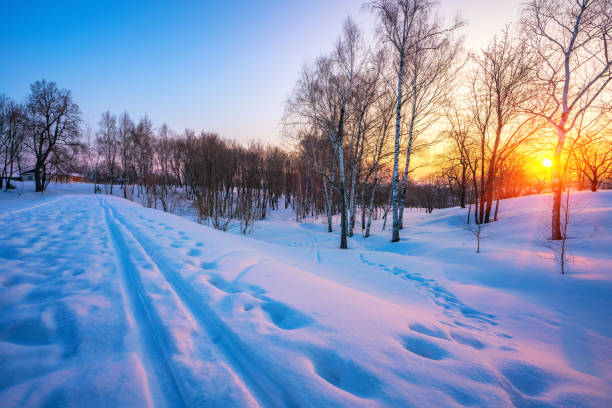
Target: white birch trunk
<point>394,186</point>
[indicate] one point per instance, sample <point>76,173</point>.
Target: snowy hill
<point>106,303</point>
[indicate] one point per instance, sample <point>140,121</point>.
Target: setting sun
<point>546,162</point>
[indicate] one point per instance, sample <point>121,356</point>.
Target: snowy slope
<point>106,303</point>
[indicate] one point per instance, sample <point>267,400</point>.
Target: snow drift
<point>106,303</point>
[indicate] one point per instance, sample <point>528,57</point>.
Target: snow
<point>107,303</point>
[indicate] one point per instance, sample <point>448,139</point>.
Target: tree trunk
<point>371,206</point>
<point>476,194</point>
<point>8,179</point>
<point>343,232</point>
<point>394,185</point>
<point>483,186</point>
<point>462,188</point>
<point>37,179</point>
<point>328,196</point>
<point>355,180</point>
<point>363,208</point>
<point>557,185</point>
<point>492,171</point>
<point>408,153</point>
<point>387,211</point>
<point>111,182</point>
<point>496,208</point>
<point>594,184</point>
<point>343,218</point>
<point>469,211</point>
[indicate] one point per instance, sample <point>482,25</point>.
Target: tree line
<point>384,108</point>
<point>363,120</point>
<point>224,182</point>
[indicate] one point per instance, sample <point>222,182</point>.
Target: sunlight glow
<point>547,163</point>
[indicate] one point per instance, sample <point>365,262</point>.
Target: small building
<point>28,175</point>
<point>78,178</point>
<point>68,178</point>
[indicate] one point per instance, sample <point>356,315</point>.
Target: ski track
<point>149,325</point>
<point>312,250</point>
<point>267,389</point>
<point>315,246</point>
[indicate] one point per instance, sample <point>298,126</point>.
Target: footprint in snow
<point>284,316</point>
<point>194,252</point>
<point>221,284</point>
<point>208,265</point>
<point>526,378</point>
<point>467,340</point>
<point>428,331</point>
<point>463,398</point>
<point>344,374</point>
<point>424,348</point>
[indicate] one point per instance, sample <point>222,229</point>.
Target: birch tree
<point>385,110</point>
<point>398,19</point>
<point>322,98</point>
<point>366,93</point>
<point>432,73</point>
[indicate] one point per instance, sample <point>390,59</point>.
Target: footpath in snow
<point>106,303</point>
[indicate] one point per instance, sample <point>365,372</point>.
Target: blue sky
<point>224,66</point>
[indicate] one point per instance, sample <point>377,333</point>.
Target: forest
<point>406,117</point>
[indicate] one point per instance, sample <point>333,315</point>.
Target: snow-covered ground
<point>105,303</point>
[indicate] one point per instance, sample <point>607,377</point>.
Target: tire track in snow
<point>147,322</point>
<point>269,390</point>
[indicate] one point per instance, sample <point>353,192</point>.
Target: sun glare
<point>546,162</point>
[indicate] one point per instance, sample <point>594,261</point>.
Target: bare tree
<point>592,157</point>
<point>573,41</point>
<point>432,74</point>
<point>92,157</point>
<point>322,99</point>
<point>398,21</point>
<point>125,131</point>
<point>476,230</point>
<point>367,92</point>
<point>52,121</point>
<point>108,145</point>
<point>384,106</point>
<point>460,157</point>
<point>12,134</point>
<point>499,87</point>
